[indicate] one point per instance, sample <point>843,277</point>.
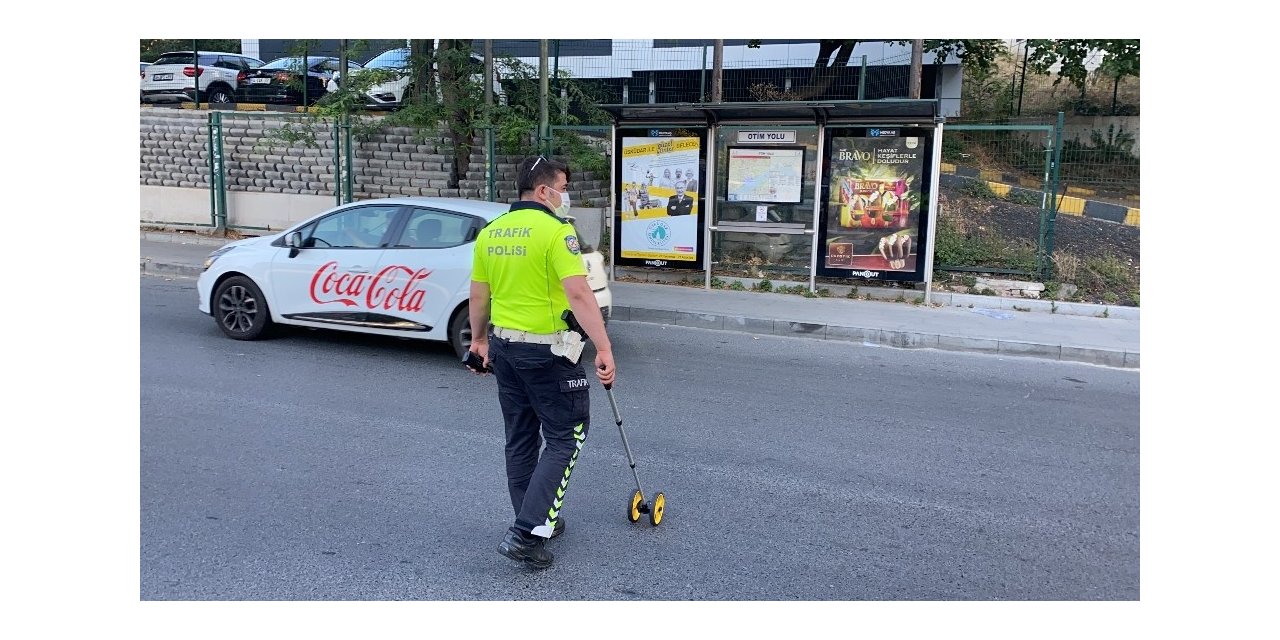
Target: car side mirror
<point>294,242</point>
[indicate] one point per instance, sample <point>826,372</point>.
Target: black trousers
<point>543,398</point>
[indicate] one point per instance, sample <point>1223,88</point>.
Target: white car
<point>391,94</point>
<point>390,266</point>
<point>174,78</point>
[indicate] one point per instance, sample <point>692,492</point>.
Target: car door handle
<point>357,269</point>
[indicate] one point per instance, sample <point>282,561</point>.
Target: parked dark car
<point>276,81</point>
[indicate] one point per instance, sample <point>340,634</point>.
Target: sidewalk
<point>985,327</point>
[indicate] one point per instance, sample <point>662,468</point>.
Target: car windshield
<point>293,62</point>
<point>393,59</point>
<point>184,57</point>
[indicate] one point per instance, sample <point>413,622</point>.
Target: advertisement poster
<point>875,204</point>
<point>765,175</point>
<point>659,213</point>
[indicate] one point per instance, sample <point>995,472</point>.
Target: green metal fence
<point>1014,170</point>
<point>999,187</point>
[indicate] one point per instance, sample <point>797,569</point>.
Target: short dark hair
<point>536,171</point>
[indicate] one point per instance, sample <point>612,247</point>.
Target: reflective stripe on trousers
<point>543,398</point>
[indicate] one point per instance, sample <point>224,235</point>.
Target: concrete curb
<point>185,238</point>
<point>1075,202</point>
<point>169,269</point>
<point>878,337</point>
<point>769,326</point>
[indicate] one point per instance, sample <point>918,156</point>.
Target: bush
<point>978,189</point>
<point>952,147</point>
<point>1025,198</point>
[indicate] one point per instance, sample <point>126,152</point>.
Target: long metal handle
<point>617,417</point>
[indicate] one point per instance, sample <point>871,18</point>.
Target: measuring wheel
<point>659,504</point>
<point>633,509</point>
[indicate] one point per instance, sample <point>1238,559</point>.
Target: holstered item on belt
<point>569,346</point>
<point>574,339</point>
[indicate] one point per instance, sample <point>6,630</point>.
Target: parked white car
<point>391,95</point>
<point>390,266</point>
<point>173,77</point>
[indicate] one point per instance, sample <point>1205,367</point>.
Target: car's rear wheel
<point>460,332</point>
<point>219,94</point>
<point>240,309</point>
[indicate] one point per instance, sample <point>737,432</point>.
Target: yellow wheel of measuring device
<point>659,505</point>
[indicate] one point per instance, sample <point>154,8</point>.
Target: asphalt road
<point>328,466</point>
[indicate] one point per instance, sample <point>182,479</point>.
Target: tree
<point>422,67</point>
<point>833,54</point>
<point>824,71</point>
<point>975,55</point>
<point>460,102</point>
<point>1071,57</point>
<point>1122,59</point>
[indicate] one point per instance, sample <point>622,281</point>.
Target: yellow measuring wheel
<point>637,505</point>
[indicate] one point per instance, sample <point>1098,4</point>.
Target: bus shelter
<point>785,190</point>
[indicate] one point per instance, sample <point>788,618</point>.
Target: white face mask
<point>563,209</point>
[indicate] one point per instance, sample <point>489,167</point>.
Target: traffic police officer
<point>527,270</point>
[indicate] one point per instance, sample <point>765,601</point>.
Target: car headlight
<point>213,257</point>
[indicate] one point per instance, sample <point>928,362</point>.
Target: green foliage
<point>736,285</point>
<point>953,145</point>
<point>1115,142</point>
<point>824,292</point>
<point>985,94</point>
<point>1134,296</point>
<point>1025,197</point>
<point>716,283</point>
<point>763,285</point>
<point>1110,297</point>
<point>957,248</point>
<point>1108,271</point>
<point>975,55</point>
<point>1120,58</point>
<point>978,189</point>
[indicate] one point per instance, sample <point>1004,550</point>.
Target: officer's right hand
<point>481,349</point>
<point>604,367</point>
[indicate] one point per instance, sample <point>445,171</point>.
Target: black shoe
<point>555,533</point>
<point>523,547</point>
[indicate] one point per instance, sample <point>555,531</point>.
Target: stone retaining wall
<point>174,153</point>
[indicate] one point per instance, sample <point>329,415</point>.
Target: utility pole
<point>342,61</point>
<point>917,68</point>
<point>1023,85</point>
<point>488,121</point>
<point>717,72</point>
<point>543,88</point>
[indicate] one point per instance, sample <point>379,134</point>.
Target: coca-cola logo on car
<point>395,286</point>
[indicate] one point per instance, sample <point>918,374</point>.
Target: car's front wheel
<point>240,309</point>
